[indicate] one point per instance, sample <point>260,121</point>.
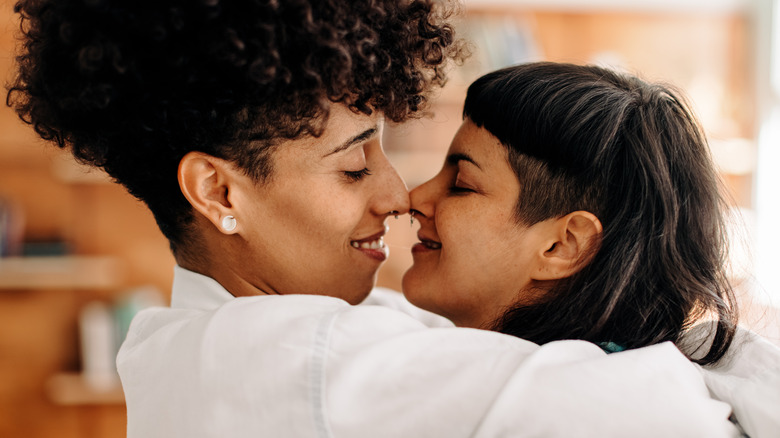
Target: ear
<point>573,241</point>
<point>206,182</point>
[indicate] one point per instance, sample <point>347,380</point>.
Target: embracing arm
<point>312,366</point>
<point>465,382</point>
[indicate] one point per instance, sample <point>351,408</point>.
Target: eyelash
<point>357,175</point>
<point>455,190</point>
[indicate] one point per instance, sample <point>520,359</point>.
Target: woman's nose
<point>395,197</point>
<point>422,198</point>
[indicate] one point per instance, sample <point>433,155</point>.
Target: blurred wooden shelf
<point>74,389</point>
<point>60,272</point>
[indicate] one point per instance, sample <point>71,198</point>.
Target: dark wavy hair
<point>131,86</point>
<point>630,152</point>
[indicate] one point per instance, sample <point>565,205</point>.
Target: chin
<point>427,293</point>
<point>357,299</point>
<point>358,292</point>
<point>412,288</point>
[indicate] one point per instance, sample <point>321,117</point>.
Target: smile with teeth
<point>431,244</point>
<point>372,244</point>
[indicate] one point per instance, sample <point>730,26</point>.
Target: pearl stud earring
<point>228,223</point>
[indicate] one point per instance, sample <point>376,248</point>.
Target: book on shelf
<point>11,228</point>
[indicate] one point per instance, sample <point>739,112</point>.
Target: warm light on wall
<point>767,181</point>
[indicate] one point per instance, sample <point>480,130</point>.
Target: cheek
<point>473,237</point>
<point>323,213</point>
<point>449,282</point>
<point>484,263</point>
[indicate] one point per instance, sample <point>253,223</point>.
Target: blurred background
<point>79,256</point>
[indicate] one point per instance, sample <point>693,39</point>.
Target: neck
<point>224,266</point>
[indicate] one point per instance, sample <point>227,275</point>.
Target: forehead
<point>483,147</point>
<point>310,155</point>
<point>342,125</point>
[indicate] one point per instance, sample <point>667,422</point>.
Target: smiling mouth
<point>372,246</point>
<point>377,243</point>
<point>426,245</point>
<point>430,244</point>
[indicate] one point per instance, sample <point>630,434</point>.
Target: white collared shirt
<point>290,366</point>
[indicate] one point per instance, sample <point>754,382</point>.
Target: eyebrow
<point>365,135</point>
<point>454,159</point>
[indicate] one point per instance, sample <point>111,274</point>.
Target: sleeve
<point>567,390</point>
<point>463,382</point>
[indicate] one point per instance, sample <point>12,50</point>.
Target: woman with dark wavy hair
<point>252,130</point>
<point>576,202</point>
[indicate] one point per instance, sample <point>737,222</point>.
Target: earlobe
<point>205,181</point>
<point>574,239</point>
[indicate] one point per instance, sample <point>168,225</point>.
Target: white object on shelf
<point>97,332</point>
<point>72,389</point>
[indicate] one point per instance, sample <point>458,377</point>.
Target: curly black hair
<point>131,86</point>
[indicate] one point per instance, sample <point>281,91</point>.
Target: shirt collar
<point>196,291</point>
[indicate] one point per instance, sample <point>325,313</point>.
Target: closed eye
<point>456,190</point>
<point>458,187</point>
<point>356,175</point>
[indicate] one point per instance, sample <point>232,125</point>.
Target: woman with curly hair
<point>577,202</point>
<point>252,131</point>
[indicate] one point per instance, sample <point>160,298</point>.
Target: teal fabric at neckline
<point>611,347</point>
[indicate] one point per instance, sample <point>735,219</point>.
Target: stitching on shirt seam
<point>319,353</point>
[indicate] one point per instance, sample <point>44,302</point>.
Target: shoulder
<point>749,353</point>
<point>748,378</point>
<point>241,325</point>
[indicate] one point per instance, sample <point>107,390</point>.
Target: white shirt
<point>748,379</point>
<point>312,366</point>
